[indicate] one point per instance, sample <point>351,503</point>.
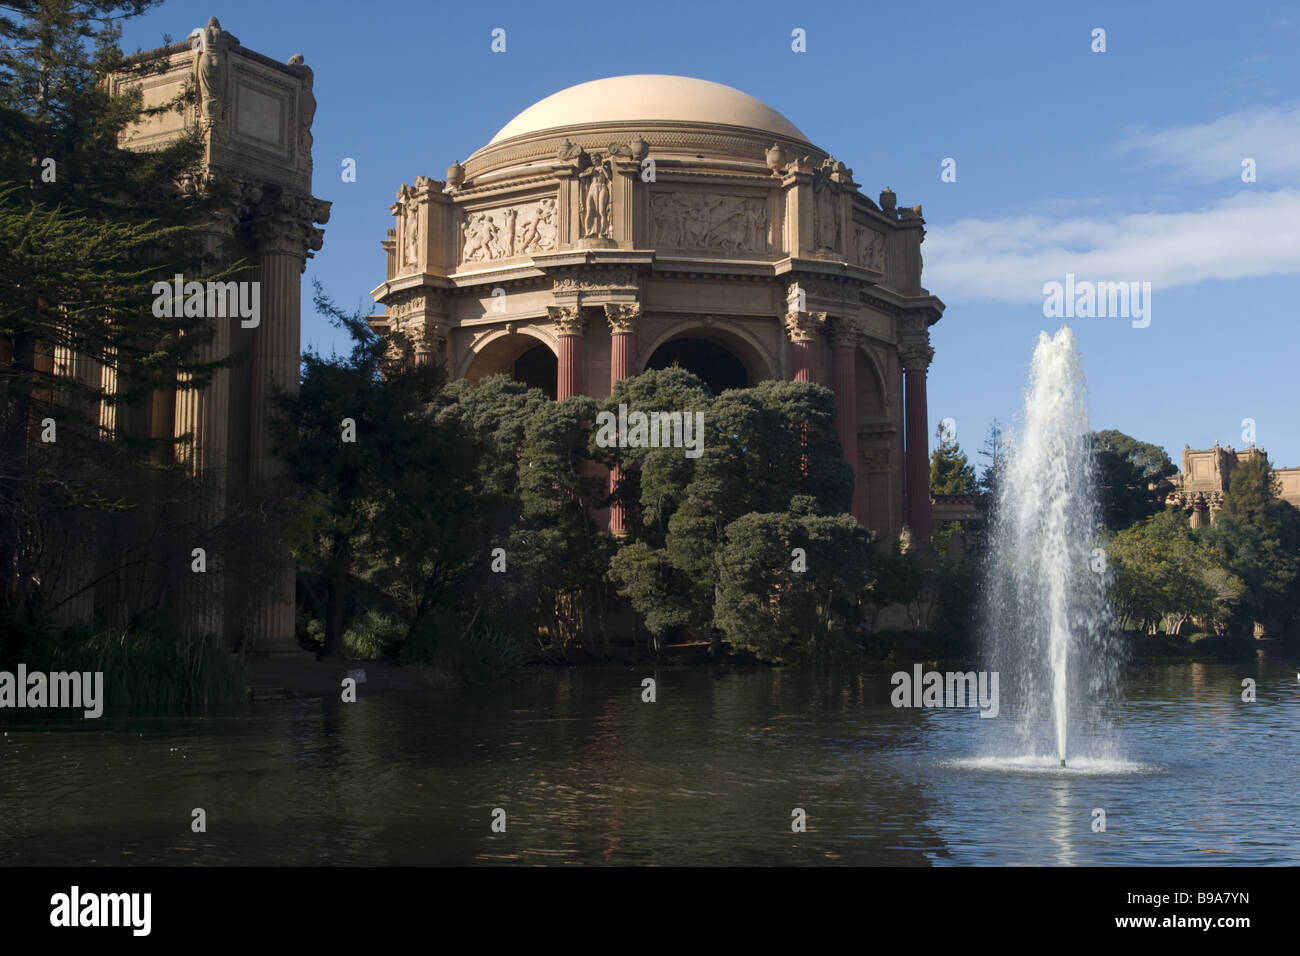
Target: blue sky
<point>1116,166</point>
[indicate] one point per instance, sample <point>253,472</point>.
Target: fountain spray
<point>1045,601</point>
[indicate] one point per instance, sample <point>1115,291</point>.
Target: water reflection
<point>588,773</point>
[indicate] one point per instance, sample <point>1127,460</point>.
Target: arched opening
<point>537,368</point>
<point>871,391</point>
<point>522,357</point>
<point>713,364</point>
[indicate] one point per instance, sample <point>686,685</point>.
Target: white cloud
<point>1248,235</point>
<point>1212,152</point>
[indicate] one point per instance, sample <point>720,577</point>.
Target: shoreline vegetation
<point>150,677</point>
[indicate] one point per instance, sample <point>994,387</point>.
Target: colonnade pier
<point>630,222</point>
<point>254,114</point>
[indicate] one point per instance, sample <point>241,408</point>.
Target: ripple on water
<point>1040,765</point>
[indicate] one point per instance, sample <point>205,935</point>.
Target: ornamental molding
<point>588,280</point>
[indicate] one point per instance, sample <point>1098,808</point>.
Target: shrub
<point>372,636</point>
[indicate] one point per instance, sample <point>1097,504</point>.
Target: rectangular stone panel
<point>261,114</point>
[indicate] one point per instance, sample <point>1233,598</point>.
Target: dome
<point>649,97</point>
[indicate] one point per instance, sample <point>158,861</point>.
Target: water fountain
<point>1045,612</point>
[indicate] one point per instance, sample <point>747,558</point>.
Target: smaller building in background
<point>1202,483</point>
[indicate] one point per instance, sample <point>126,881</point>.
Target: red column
<point>803,361</point>
<point>802,328</point>
<point>844,383</point>
<point>570,378</point>
<point>568,322</point>
<point>916,361</point>
<point>622,320</point>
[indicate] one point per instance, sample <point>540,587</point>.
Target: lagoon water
<point>709,774</point>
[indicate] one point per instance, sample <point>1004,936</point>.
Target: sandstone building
<point>1202,480</point>
<point>630,222</point>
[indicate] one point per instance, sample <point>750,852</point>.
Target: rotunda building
<point>636,221</point>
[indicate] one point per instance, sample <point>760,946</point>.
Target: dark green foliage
<point>1162,570</point>
<point>370,507</point>
<point>764,604</point>
<point>1128,477</point>
<point>86,228</point>
<point>483,655</point>
<point>763,447</point>
<point>150,668</point>
<point>372,636</point>
<point>1256,537</point>
<point>408,520</point>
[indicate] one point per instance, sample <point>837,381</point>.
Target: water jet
<point>1045,591</point>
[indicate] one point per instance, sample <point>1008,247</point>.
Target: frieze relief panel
<point>869,246</point>
<point>502,232</point>
<point>700,220</point>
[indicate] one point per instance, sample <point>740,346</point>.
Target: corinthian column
<point>844,341</point>
<point>623,319</point>
<point>284,236</point>
<point>916,362</point>
<point>569,324</point>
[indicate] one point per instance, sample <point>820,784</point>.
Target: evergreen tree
<point>1128,478</point>
<point>950,471</point>
<point>764,446</point>
<point>1257,536</point>
<point>991,453</point>
<point>86,228</point>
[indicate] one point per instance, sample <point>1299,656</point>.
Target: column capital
<point>916,356</point>
<point>844,331</point>
<point>623,317</point>
<point>804,326</point>
<point>281,223</point>
<point>568,319</point>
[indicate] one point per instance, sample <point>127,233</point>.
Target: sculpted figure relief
<point>596,201</point>
<point>412,235</point>
<point>513,231</point>
<point>870,247</point>
<point>708,221</point>
<point>826,214</point>
<point>210,72</point>
<point>306,104</point>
